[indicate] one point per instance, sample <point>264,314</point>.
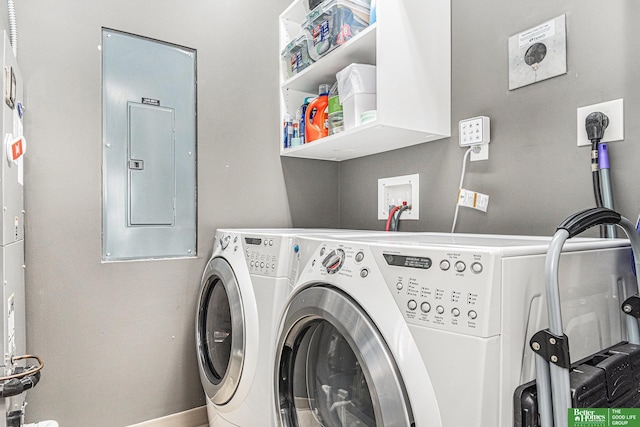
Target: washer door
<point>220,332</point>
<point>334,368</point>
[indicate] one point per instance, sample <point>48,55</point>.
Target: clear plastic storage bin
<point>295,56</point>
<point>333,23</point>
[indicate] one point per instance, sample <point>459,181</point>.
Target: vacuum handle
<point>583,220</point>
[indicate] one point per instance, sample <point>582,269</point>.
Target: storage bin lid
<point>296,42</point>
<point>326,6</point>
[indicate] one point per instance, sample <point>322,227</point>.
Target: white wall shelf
<point>411,46</point>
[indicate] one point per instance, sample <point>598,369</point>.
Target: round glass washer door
<point>220,332</point>
<point>334,368</point>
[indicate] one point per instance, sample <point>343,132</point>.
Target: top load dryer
<point>442,320</point>
<point>243,289</point>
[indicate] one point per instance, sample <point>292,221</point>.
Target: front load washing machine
<point>243,290</point>
<point>431,329</point>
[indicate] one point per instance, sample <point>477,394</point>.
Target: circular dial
<point>333,261</point>
<point>224,242</point>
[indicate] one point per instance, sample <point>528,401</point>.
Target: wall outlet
<point>479,152</point>
<point>612,109</point>
<point>395,191</point>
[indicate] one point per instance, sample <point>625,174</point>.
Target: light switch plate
<point>474,131</point>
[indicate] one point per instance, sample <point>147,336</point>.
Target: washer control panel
<point>447,288</point>
<point>453,290</point>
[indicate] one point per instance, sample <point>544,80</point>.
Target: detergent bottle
<point>316,116</point>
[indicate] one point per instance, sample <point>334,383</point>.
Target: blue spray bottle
<point>287,130</point>
<point>303,111</point>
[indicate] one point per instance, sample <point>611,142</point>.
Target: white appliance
<point>243,290</point>
<point>12,295</point>
<point>431,329</point>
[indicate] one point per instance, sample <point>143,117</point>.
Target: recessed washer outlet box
<point>396,190</point>
<point>614,110</point>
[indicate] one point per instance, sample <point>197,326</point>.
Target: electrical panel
<point>149,148</point>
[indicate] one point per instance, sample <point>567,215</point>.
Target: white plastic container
<point>357,88</point>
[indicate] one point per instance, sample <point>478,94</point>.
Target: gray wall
<point>118,339</point>
<point>535,175</point>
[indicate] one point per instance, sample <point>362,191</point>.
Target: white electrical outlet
<point>614,110</point>
<point>474,131</point>
<point>395,191</point>
<point>479,152</point>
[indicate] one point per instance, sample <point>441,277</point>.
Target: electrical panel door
<point>149,148</point>
<point>152,189</point>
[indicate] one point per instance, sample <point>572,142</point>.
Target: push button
<point>425,307</point>
<point>476,267</point>
<point>412,304</point>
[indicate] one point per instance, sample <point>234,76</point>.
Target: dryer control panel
<point>263,253</point>
<point>453,289</point>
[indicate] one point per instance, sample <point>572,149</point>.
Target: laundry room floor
<point>196,417</point>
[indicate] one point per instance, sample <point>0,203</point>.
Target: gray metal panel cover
<point>149,148</point>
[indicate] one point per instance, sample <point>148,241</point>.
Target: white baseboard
<point>196,417</point>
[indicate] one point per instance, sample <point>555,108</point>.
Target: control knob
<point>224,242</point>
<point>333,262</point>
